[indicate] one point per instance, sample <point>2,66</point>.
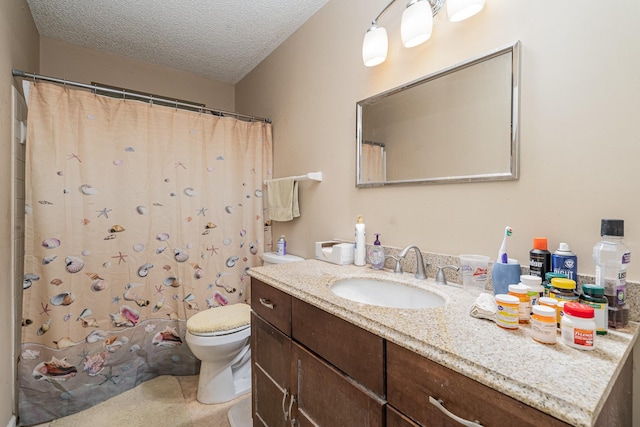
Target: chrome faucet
<point>420,272</point>
<point>441,278</point>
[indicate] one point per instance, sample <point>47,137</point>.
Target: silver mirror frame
<point>512,174</point>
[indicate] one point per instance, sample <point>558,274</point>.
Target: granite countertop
<point>567,383</point>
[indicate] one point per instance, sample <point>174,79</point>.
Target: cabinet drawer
<point>412,379</point>
<point>272,305</point>
<point>326,398</point>
<point>356,352</point>
<point>397,419</point>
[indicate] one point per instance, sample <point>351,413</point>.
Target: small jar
<point>578,326</point>
<point>507,315</point>
<point>524,307</point>
<point>593,295</point>
<point>543,324</point>
<point>563,289</point>
<point>547,280</point>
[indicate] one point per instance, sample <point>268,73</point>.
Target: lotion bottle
<point>360,255</point>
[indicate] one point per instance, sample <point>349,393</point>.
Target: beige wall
<point>580,104</point>
<point>72,62</point>
<point>580,148</point>
<point>18,49</point>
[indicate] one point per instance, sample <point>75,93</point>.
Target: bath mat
<point>158,402</point>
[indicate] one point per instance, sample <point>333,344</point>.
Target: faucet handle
<point>441,278</point>
<point>398,267</point>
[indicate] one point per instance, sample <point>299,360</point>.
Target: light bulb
<point>459,10</point>
<point>417,23</point>
<point>375,46</point>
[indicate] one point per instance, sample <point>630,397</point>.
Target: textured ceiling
<point>220,39</point>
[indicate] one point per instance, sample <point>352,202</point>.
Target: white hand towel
<point>484,307</point>
<point>282,197</point>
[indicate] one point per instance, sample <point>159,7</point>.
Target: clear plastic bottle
<point>611,257</point>
<point>376,254</point>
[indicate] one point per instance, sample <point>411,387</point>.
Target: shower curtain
<point>138,217</point>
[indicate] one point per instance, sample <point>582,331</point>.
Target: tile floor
<point>201,415</point>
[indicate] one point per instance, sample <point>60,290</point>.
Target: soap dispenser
<point>376,254</point>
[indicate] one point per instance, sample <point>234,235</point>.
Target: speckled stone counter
<point>569,384</point>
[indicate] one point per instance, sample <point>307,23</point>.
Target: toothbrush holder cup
<point>503,275</point>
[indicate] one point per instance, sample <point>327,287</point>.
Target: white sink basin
<point>386,294</point>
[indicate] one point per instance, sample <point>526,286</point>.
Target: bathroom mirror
<point>459,124</point>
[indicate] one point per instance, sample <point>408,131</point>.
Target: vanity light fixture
<point>416,25</point>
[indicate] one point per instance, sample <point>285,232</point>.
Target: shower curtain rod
<point>124,92</point>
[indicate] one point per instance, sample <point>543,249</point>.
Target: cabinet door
<point>413,379</point>
<point>327,398</point>
<point>271,374</point>
<point>353,350</point>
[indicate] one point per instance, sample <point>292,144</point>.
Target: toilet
<point>220,337</point>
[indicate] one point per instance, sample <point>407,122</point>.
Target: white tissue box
<point>335,252</point>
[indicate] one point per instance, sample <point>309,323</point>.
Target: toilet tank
<point>273,258</point>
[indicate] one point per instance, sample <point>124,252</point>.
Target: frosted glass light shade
<point>417,24</point>
<point>375,46</point>
<point>459,10</point>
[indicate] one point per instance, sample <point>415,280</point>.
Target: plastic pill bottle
<point>578,326</point>
<point>524,307</point>
<point>547,281</point>
<point>535,290</point>
<point>507,315</point>
<point>593,295</point>
<point>563,289</point>
<point>549,302</point>
<point>543,324</point>
<point>560,311</point>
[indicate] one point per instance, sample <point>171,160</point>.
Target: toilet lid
<point>220,319</point>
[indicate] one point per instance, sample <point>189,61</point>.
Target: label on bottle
<point>539,263</point>
<point>543,330</point>
<point>507,316</point>
<point>281,247</point>
<point>565,264</point>
<point>583,337</point>
<point>626,258</point>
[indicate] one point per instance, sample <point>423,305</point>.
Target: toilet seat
<point>220,333</point>
<point>219,321</point>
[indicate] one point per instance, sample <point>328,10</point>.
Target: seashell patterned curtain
<point>138,216</point>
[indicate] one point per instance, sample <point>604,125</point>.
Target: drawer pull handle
<point>284,399</point>
<point>293,420</point>
<point>267,303</point>
<point>440,405</point>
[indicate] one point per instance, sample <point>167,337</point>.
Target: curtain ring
<point>124,95</point>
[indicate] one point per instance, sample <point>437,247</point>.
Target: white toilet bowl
<point>220,337</point>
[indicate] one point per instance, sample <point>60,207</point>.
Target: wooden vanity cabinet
<point>310,368</point>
